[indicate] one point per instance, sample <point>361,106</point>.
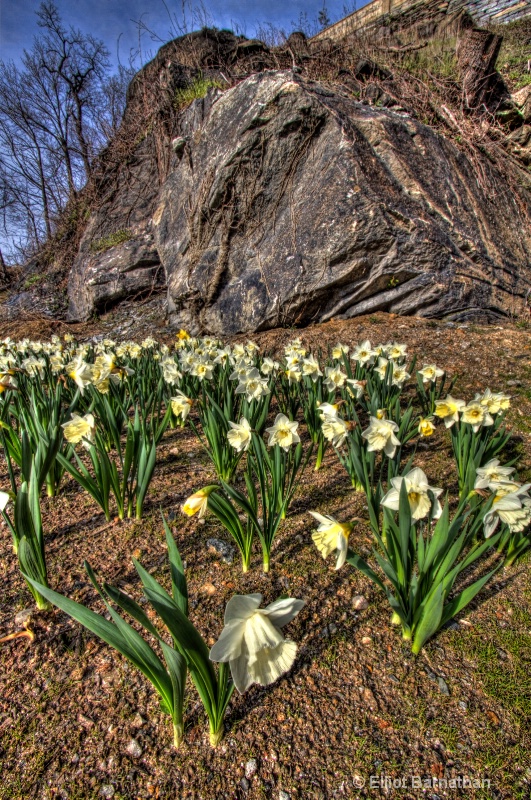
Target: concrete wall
<point>483,11</point>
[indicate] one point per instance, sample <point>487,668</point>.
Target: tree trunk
<point>4,277</point>
<point>477,51</point>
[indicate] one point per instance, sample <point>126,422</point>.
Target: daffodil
<point>170,372</point>
<point>335,430</point>
<point>494,402</point>
<point>253,385</point>
<point>334,378</point>
<point>448,410</point>
<point>283,432</point>
<point>180,405</point>
<point>426,427</point>
<point>310,368</point>
<point>513,509</point>
<point>331,535</point>
<point>491,473</point>
<point>339,350</point>
<point>400,376</point>
<point>363,353</point>
<point>396,351</point>
<point>80,372</point>
<point>252,641</point>
<point>240,435</point>
<point>476,415</point>
<point>430,373</point>
<point>80,429</point>
<point>380,435</point>
<point>197,503</point>
<point>418,494</point>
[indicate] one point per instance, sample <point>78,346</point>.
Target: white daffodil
<point>334,378</point>
<point>181,405</point>
<point>430,373</point>
<point>331,535</point>
<point>400,376</point>
<point>418,490</point>
<point>339,350</point>
<point>202,368</point>
<point>363,353</point>
<point>396,351</point>
<point>240,435</point>
<point>335,430</point>
<point>327,409</point>
<point>513,509</point>
<point>80,372</point>
<point>294,374</point>
<point>283,432</point>
<point>381,369</point>
<point>356,387</point>
<point>380,435</point>
<point>310,368</point>
<point>448,410</point>
<point>80,429</point>
<point>426,427</point>
<point>253,385</point>
<point>476,415</point>
<point>170,372</point>
<point>494,402</point>
<point>492,472</point>
<point>252,642</point>
<point>268,366</point>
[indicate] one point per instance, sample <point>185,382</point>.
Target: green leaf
<point>430,620</point>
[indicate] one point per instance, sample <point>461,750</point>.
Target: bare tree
<point>57,111</point>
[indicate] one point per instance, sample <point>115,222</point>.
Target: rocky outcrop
<point>292,203</point>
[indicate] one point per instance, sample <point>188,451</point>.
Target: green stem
<point>216,736</point>
<point>178,734</point>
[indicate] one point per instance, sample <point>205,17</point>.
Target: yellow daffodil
<point>331,535</point>
<point>448,410</point>
<point>197,503</point>
<point>80,429</point>
<point>426,427</point>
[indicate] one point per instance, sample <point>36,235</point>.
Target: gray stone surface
<point>292,203</point>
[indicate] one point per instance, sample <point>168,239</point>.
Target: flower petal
<point>271,663</point>
<point>242,606</point>
<point>283,611</point>
<point>229,644</point>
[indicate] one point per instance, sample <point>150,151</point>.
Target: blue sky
<point>111,20</point>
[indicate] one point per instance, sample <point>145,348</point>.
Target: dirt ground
<point>357,715</point>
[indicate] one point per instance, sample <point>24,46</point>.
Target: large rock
<point>293,203</point>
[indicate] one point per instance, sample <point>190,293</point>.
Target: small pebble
<point>251,768</point>
<point>107,790</point>
<point>359,603</point>
<point>282,795</point>
<point>133,749</point>
<point>366,640</point>
<point>443,686</point>
<point>462,705</point>
<point>225,550</point>
<point>138,721</point>
<point>244,783</point>
<point>23,617</point>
